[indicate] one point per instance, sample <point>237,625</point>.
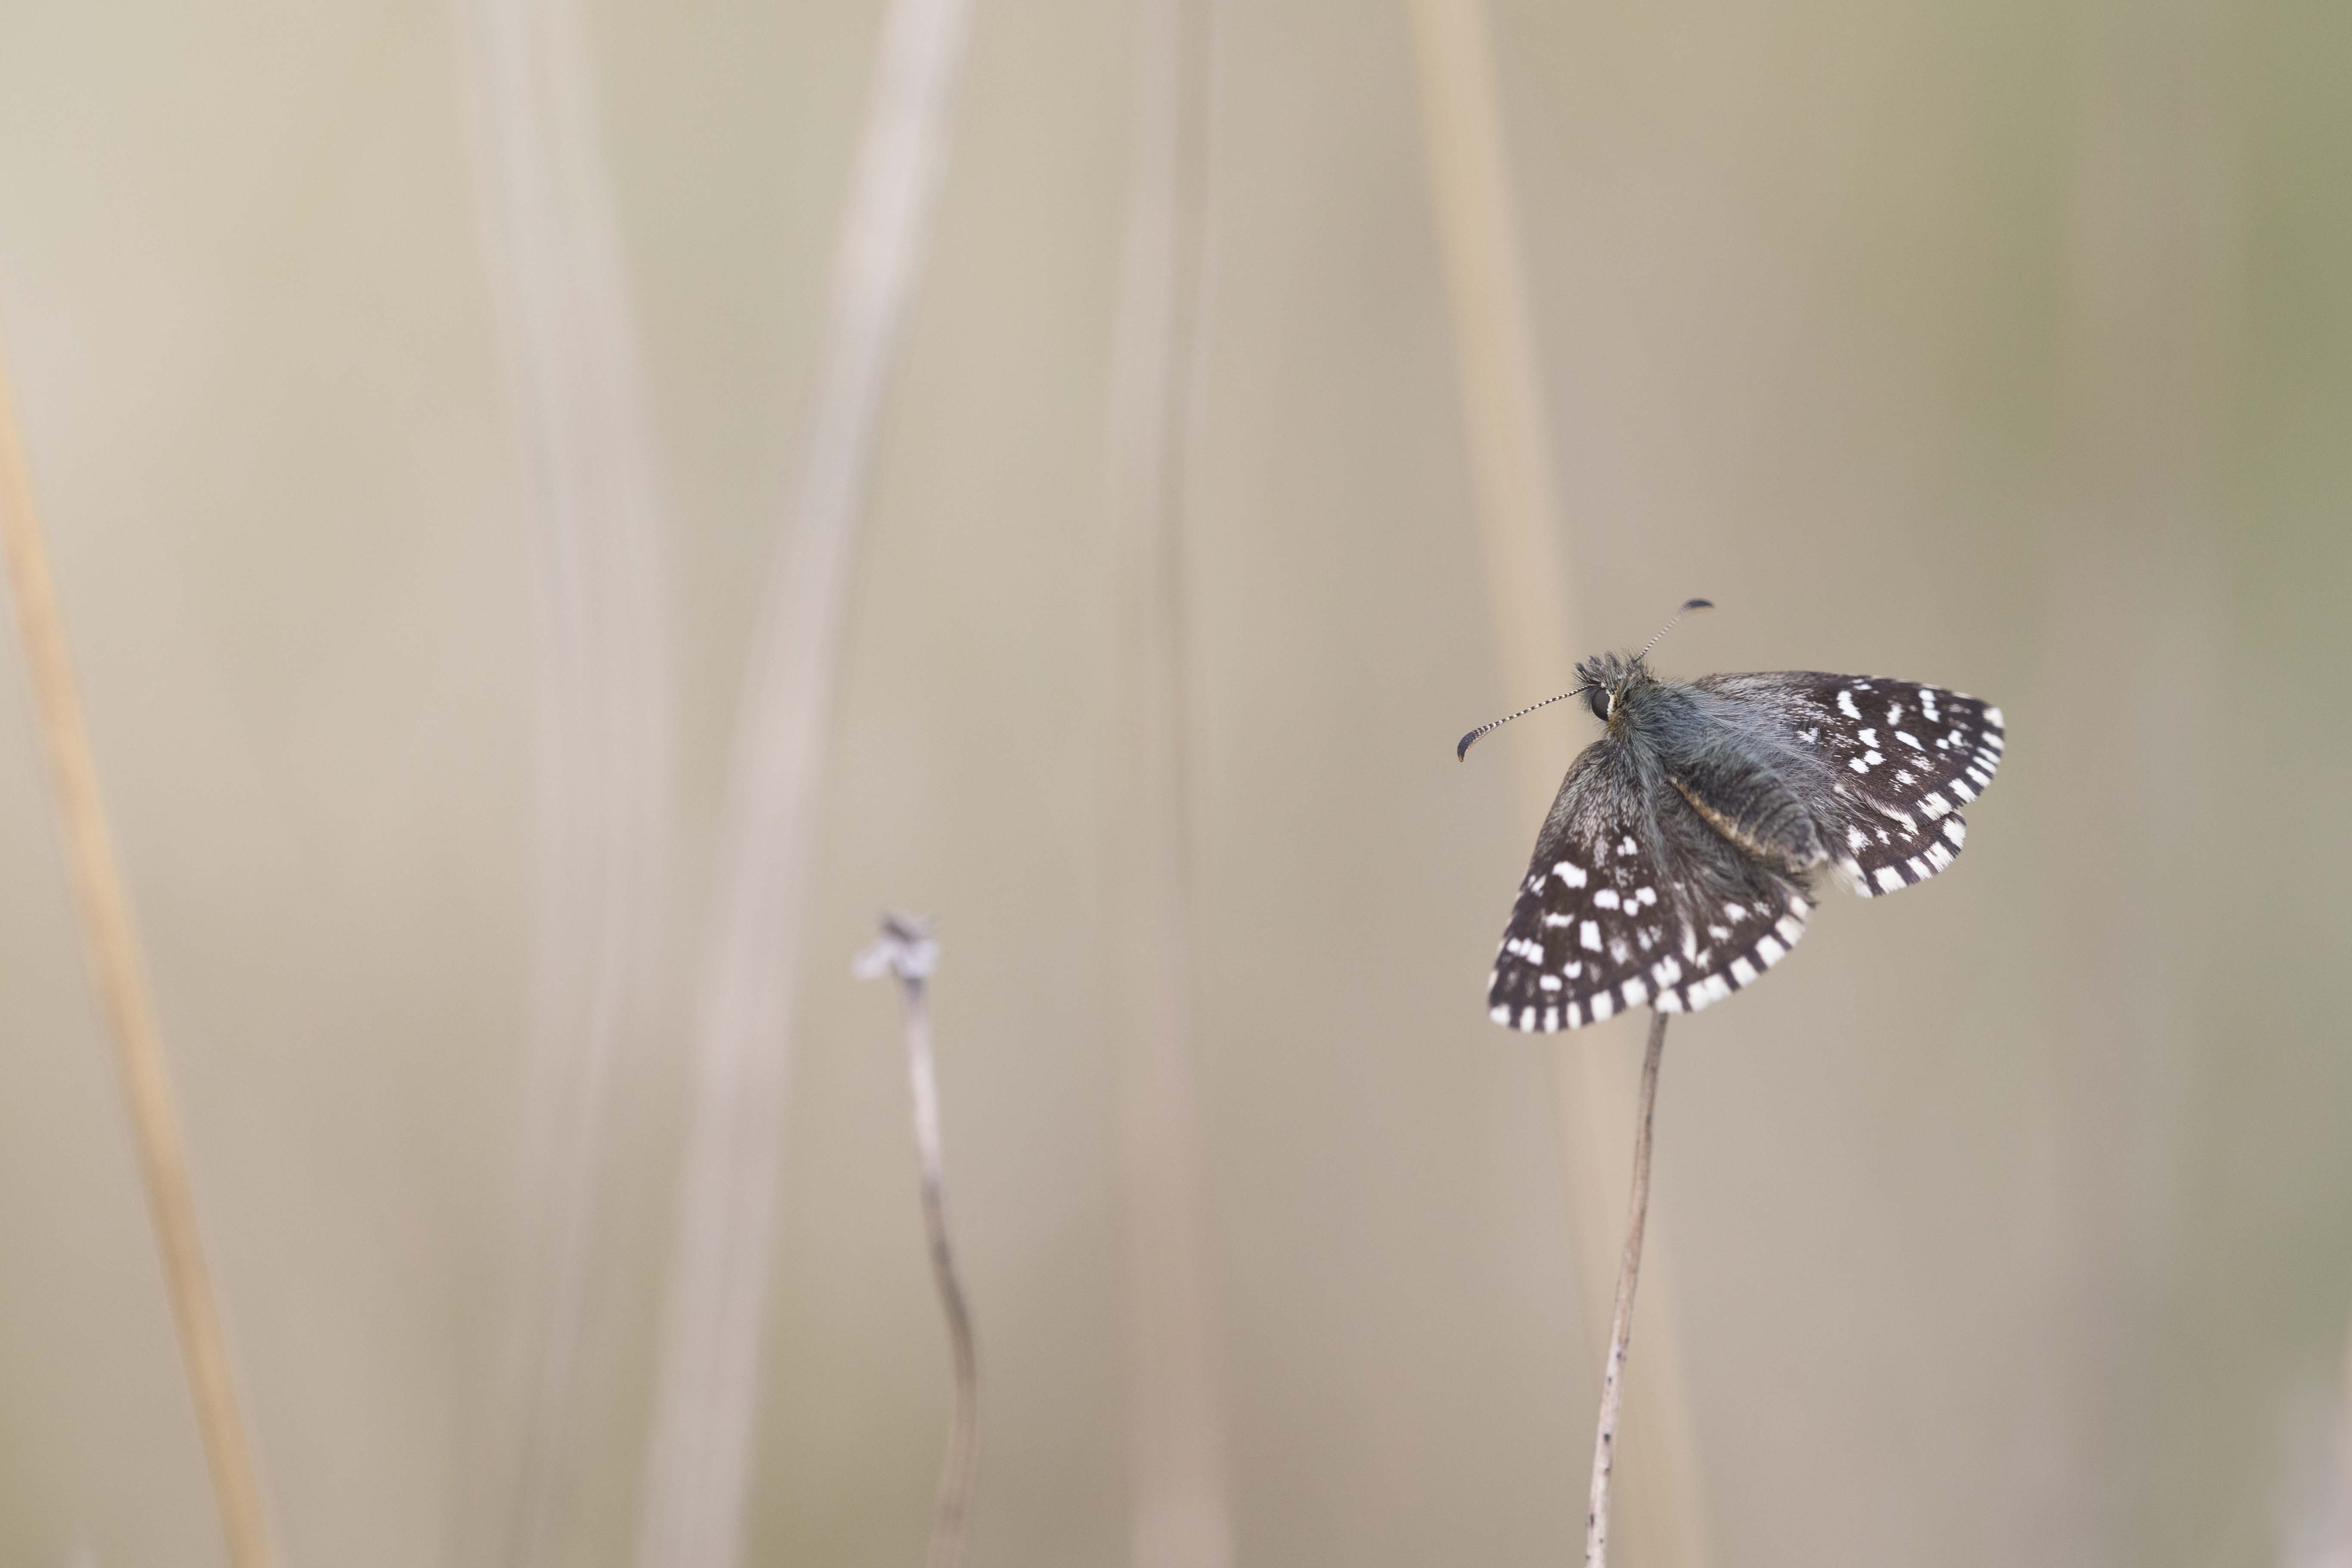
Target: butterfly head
<point>1608,680</point>
<point>1604,683</point>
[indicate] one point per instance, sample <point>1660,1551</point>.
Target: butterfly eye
<point>1598,699</point>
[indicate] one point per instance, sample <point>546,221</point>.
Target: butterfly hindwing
<point>1631,898</point>
<point>1901,759</point>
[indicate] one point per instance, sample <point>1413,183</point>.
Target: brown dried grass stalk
<point>1505,431</point>
<point>111,938</point>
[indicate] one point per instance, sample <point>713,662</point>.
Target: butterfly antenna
<point>1678,614</point>
<point>1463,750</point>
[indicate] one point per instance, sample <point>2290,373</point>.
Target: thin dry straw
<point>907,951</point>
<point>593,500</point>
<point>2344,1452</point>
<point>1621,1321</point>
<point>1511,475</point>
<point>111,938</point>
<point>698,1460</point>
<point>1182,1517</point>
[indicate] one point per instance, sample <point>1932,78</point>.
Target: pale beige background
<point>2008,347</point>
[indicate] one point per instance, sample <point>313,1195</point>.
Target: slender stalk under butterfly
<point>1678,862</point>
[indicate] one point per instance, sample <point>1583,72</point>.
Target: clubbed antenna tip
<point>1688,605</point>
<point>1462,750</point>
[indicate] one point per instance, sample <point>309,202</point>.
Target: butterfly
<point>1679,859</point>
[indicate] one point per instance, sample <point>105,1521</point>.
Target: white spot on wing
<point>1570,872</point>
<point>1636,992</point>
<point>1742,971</point>
<point>1845,704</point>
<point>1589,936</point>
<point>1770,949</point>
<point>1601,1007</point>
<point>1500,1014</point>
<point>1605,899</point>
<point>1890,878</point>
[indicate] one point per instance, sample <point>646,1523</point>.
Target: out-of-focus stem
<point>1621,1322</point>
<point>1505,428</point>
<point>1181,1515</point>
<point>2345,1452</point>
<point>907,951</point>
<point>110,939</point>
<point>584,437</point>
<point>699,1466</point>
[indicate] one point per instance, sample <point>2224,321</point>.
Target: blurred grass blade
<point>707,1383</point>
<point>1181,1515</point>
<point>605,730</point>
<point>110,939</point>
<point>1510,469</point>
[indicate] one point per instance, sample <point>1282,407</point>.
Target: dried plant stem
<point>111,938</point>
<point>698,1460</point>
<point>1507,434</point>
<point>907,951</point>
<point>954,1509</point>
<point>1621,1324</point>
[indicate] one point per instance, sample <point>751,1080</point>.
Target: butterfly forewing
<point>1630,900</point>
<point>1903,758</point>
